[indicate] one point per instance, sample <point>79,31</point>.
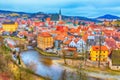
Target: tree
<point>64,56</point>
<point>1,40</point>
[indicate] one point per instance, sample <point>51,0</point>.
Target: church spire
<point>60,15</point>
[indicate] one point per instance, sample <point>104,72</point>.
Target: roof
<point>72,49</point>
<point>38,23</point>
<point>8,22</point>
<point>44,34</point>
<point>59,37</point>
<point>67,42</point>
<point>23,33</point>
<point>72,30</point>
<point>97,48</point>
<point>110,42</point>
<point>76,40</point>
<point>85,37</point>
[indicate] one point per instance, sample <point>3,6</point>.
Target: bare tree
<point>64,56</point>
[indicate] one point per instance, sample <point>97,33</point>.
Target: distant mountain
<point>54,16</point>
<point>108,16</point>
<point>9,12</point>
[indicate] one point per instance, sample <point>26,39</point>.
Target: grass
<point>95,69</point>
<point>31,74</point>
<point>46,53</point>
<point>14,38</point>
<point>55,55</point>
<point>99,70</point>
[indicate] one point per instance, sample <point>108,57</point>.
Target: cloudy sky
<point>87,8</point>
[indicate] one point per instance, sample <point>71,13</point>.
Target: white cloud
<point>69,7</point>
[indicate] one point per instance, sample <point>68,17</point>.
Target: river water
<point>46,67</point>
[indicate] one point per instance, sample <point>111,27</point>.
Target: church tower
<point>60,15</point>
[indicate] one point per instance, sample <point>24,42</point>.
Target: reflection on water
<point>45,67</point>
<point>46,61</point>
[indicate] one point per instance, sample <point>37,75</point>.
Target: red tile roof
<point>72,49</point>
<point>44,34</point>
<point>85,37</point>
<point>59,37</point>
<point>67,42</point>
<point>97,48</point>
<point>111,43</point>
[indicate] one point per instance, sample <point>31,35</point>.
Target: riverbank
<point>14,38</point>
<point>98,73</point>
<point>46,53</point>
<point>8,66</point>
<point>21,73</point>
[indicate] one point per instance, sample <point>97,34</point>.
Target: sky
<point>86,8</point>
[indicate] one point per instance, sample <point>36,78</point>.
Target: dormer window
<point>96,48</point>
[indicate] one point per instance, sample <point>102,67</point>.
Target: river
<point>46,66</point>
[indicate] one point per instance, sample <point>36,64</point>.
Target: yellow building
<point>10,26</point>
<point>44,41</point>
<point>95,53</point>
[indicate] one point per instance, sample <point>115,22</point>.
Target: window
<point>97,51</point>
<point>96,59</point>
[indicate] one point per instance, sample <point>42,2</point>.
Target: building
<point>97,51</point>
<point>81,46</point>
<point>10,26</point>
<point>114,60</point>
<point>60,15</point>
<point>44,41</point>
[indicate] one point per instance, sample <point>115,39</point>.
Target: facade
<point>81,46</point>
<point>72,44</point>
<point>95,53</point>
<point>10,26</point>
<point>44,41</point>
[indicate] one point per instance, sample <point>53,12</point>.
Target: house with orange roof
<point>44,41</point>
<point>58,41</point>
<point>108,32</point>
<point>22,34</point>
<point>99,53</point>
<point>38,23</point>
<point>116,36</point>
<point>81,46</point>
<point>77,43</point>
<point>67,42</point>
<point>72,43</point>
